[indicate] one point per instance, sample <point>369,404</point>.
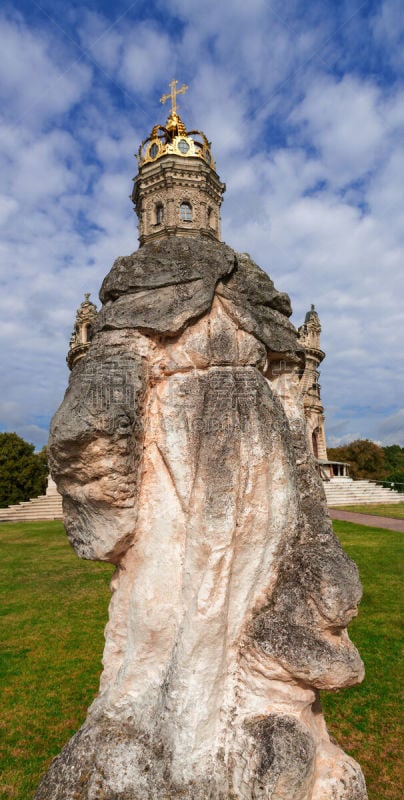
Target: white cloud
<point>34,86</point>
<point>8,206</point>
<point>344,120</point>
<point>312,161</point>
<point>391,429</point>
<point>146,56</point>
<point>388,28</point>
<point>46,167</point>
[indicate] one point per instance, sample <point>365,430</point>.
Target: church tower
<point>177,191</point>
<point>309,335</point>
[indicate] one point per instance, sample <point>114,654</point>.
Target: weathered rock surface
<point>180,450</point>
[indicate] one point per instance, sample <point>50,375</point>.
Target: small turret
<point>309,335</point>
<point>82,331</point>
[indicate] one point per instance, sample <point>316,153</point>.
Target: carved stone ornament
<point>182,456</point>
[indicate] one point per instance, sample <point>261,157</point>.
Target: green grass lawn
<point>54,608</point>
<point>395,510</point>
<point>366,719</point>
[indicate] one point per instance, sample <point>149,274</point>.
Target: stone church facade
<point>177,192</point>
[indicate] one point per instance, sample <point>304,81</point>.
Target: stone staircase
<point>47,506</point>
<point>338,491</point>
<point>347,492</point>
<point>44,507</point>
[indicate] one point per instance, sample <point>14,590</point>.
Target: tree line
<point>23,472</point>
<point>369,460</point>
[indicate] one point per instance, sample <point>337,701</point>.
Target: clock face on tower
<point>183,146</point>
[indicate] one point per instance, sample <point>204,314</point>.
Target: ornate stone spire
<point>309,335</point>
<point>82,331</point>
<point>177,191</point>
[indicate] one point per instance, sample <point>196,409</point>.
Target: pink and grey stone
<point>182,455</point>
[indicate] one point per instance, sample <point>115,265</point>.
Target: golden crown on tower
<point>173,137</point>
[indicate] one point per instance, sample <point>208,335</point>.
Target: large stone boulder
<point>181,453</point>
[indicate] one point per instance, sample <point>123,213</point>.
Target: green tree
<point>22,471</point>
<point>366,459</point>
<point>394,456</point>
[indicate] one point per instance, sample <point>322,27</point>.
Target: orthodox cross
<point>173,95</point>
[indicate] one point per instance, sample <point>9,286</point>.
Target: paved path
<point>368,519</point>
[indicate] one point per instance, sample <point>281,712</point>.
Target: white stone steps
<point>339,491</point>
<point>45,507</point>
<point>345,491</point>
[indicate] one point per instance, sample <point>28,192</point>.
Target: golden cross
<point>173,95</point>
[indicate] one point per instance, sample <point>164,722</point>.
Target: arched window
<point>159,214</point>
<point>86,333</point>
<point>185,212</point>
<point>314,440</point>
<point>211,218</point>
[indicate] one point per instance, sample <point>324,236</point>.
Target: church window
<point>185,212</point>
<point>159,214</point>
<point>211,218</point>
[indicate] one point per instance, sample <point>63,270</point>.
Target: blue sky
<point>304,105</point>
